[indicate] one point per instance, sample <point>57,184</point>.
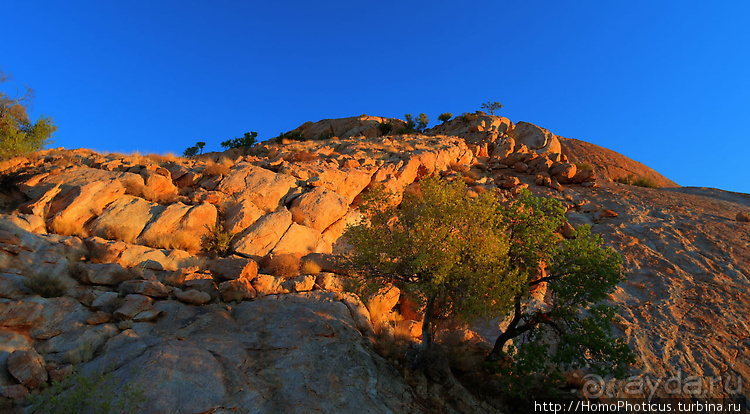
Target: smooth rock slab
<point>292,354</point>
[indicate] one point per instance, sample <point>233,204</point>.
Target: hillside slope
<point>126,239</point>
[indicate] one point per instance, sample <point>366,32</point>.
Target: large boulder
<point>180,227</point>
<point>319,208</point>
<point>536,138</point>
<point>27,366</point>
<point>264,188</point>
<point>264,234</point>
<point>125,219</point>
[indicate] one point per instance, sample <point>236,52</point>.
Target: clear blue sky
<point>666,83</point>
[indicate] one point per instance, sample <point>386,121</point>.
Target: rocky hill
<point>118,244</point>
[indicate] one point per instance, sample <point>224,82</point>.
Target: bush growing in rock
<point>445,117</point>
<point>247,141</point>
<point>45,285</point>
<point>219,241</point>
<point>492,106</point>
<point>80,393</point>
<point>18,135</point>
<point>467,257</point>
<point>385,128</point>
<point>283,265</point>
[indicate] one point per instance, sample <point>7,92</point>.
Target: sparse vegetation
<point>467,257</point>
<point>283,265</point>
<point>217,169</point>
<point>326,135</point>
<point>445,117</point>
<point>468,117</point>
<point>95,393</point>
<point>492,107</point>
<point>247,141</point>
<point>309,267</point>
<point>385,128</point>
<point>219,242</point>
<point>583,166</point>
<point>290,136</point>
<point>639,181</point>
<point>196,149</point>
<point>18,135</point>
<point>422,122</point>
<point>45,285</point>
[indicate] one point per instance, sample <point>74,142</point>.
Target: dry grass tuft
<point>45,285</point>
<point>67,227</point>
<point>214,169</point>
<point>310,267</point>
<point>162,159</point>
<point>284,265</point>
<point>180,240</point>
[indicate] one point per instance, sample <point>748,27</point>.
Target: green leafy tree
<point>468,257</point>
<point>385,128</point>
<point>410,124</point>
<point>18,135</point>
<point>196,149</point>
<point>247,141</point>
<point>190,152</point>
<point>445,117</point>
<point>492,106</point>
<point>422,122</point>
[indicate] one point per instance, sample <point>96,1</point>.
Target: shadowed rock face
<point>177,326</point>
<point>292,354</point>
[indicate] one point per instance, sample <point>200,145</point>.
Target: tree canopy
<point>18,135</point>
<point>465,257</point>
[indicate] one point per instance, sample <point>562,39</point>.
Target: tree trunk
<point>426,332</point>
<point>511,331</point>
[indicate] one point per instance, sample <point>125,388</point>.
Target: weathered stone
<point>191,296</point>
<point>319,208</point>
<point>70,210</point>
<point>329,281</point>
<point>233,268</point>
<point>298,239</point>
<point>536,138</point>
<point>237,290</point>
<point>28,222</point>
<point>263,236</point>
<point>241,215</point>
<point>16,392</point>
<point>743,217</point>
<point>267,284</point>
<point>159,187</point>
<point>125,219</point>
<point>106,301</point>
<point>27,367</point>
<point>563,171</point>
<point>181,227</point>
<point>98,318</point>
<point>133,306</point>
<point>302,283</point>
<point>262,187</point>
<point>103,273</point>
<point>20,315</point>
<point>150,288</point>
